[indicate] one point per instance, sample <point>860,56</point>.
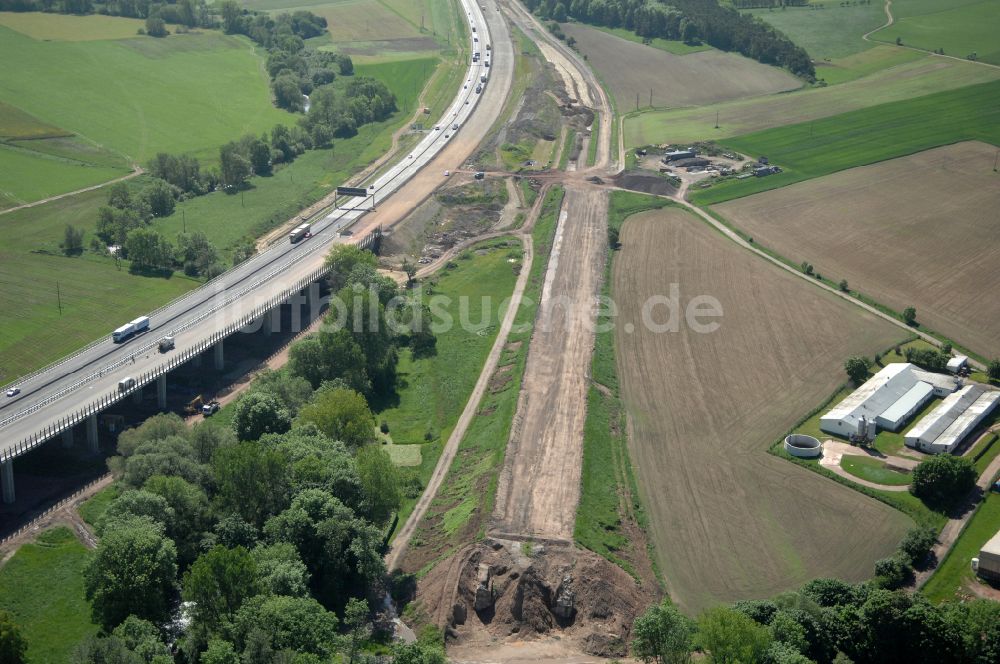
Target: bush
<point>892,572</point>
<point>917,543</point>
<point>943,480</point>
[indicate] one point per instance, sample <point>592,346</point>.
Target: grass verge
<point>42,585</point>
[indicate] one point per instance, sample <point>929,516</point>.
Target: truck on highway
<point>127,331</point>
<point>483,78</point>
<point>166,343</point>
<point>126,384</point>
<point>300,232</point>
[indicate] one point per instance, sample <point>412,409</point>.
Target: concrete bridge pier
<point>196,361</point>
<point>161,392</point>
<point>272,322</point>
<point>137,395</point>
<point>220,358</point>
<point>315,301</point>
<point>67,438</point>
<point>92,443</point>
<point>7,480</point>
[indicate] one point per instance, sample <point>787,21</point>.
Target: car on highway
<point>14,391</point>
<point>437,128</point>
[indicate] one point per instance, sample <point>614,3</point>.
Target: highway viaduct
<point>61,399</point>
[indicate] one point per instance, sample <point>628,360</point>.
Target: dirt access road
<point>539,486</point>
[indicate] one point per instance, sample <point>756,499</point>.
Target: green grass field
<point>71,28</point>
<point>916,78</point>
<point>674,46</point>
<point>956,568</point>
<point>827,29</point>
<point>27,176</point>
<point>92,509</point>
<point>873,470</point>
<point>811,149</point>
<point>42,585</point>
<point>434,390</point>
<point>960,27</point>
<point>139,96</point>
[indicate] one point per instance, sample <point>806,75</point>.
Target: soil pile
<point>513,590</point>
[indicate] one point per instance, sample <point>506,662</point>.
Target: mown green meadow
<point>959,27</point>
<point>912,75</point>
<point>42,586</point>
<point>139,96</point>
<point>812,149</point>
<point>827,28</point>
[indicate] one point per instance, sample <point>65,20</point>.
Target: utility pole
<point>716,119</point>
<point>59,298</point>
<point>997,156</point>
<point>184,219</point>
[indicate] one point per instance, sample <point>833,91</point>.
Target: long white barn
<point>952,420</point>
<point>889,399</point>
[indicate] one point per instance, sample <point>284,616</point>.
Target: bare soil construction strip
<point>539,486</point>
<point>730,521</point>
<point>915,231</point>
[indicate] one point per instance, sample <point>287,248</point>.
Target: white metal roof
<point>993,546</point>
<point>938,420</point>
<point>904,406</point>
<point>966,422</point>
<point>957,362</point>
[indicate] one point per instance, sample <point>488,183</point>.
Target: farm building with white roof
<point>952,420</point>
<point>889,398</point>
<point>987,565</point>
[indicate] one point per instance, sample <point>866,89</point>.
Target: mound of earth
<point>500,590</point>
<point>647,183</point>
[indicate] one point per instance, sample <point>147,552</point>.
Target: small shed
<point>957,363</point>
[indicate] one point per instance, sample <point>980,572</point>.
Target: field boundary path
<point>136,170</point>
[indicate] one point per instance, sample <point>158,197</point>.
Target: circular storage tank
<point>801,445</point>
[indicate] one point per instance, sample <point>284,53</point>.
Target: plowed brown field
<point>629,69</point>
<point>730,521</point>
<point>918,231</point>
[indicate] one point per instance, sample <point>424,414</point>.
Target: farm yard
<point>959,27</point>
<point>917,78</point>
<point>914,231</point>
<point>705,77</point>
<point>728,520</point>
<point>813,149</point>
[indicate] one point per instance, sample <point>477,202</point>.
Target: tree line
<point>188,13</point>
<point>826,621</point>
<point>692,21</point>
<point>262,541</point>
